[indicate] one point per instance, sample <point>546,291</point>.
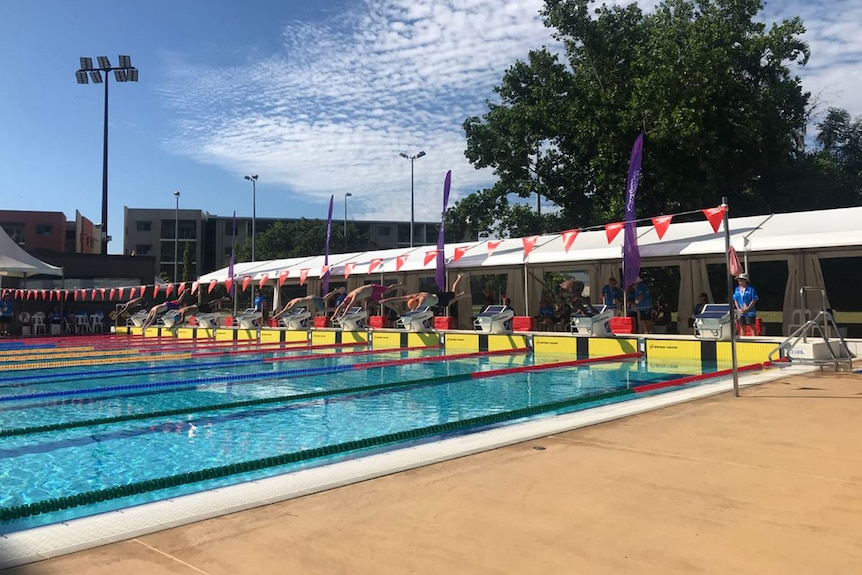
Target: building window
<point>143,226</point>
<point>143,249</point>
<point>43,230</point>
<point>384,231</point>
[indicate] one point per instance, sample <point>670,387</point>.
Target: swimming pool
<point>104,424</point>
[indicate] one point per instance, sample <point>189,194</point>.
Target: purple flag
<point>631,254</point>
<point>440,276</point>
<point>232,250</point>
<point>326,256</point>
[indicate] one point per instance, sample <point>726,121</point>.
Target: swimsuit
<point>445,298</point>
<point>172,305</point>
<point>318,301</point>
<point>377,292</point>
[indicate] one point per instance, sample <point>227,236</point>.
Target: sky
<point>316,98</point>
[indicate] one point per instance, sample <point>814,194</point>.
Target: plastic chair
<point>96,322</point>
<point>82,323</point>
<point>39,324</point>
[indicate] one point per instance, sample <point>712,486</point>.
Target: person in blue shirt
<point>260,303</point>
<point>612,296</point>
<point>546,315</point>
<point>6,314</point>
<point>642,302</point>
<point>745,301</point>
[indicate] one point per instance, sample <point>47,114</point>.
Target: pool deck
<point>770,482</point>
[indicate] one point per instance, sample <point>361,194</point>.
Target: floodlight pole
<point>104,231</point>
<point>412,211</point>
<point>253,180</point>
<point>347,195</point>
<point>176,236</point>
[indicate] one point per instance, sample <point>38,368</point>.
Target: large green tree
<point>302,237</point>
<point>708,85</point>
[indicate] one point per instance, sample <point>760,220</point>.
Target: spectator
<point>612,296</point>
<point>6,314</point>
<point>745,300</point>
<point>702,300</point>
<point>260,303</point>
<point>563,315</point>
<point>546,315</point>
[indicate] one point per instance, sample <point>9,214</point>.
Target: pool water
<point>82,441</point>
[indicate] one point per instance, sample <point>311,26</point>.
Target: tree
<point>707,84</point>
<point>298,238</point>
<point>187,262</point>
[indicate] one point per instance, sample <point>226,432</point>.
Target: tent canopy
<point>15,262</point>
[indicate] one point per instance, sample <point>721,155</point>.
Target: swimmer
<point>373,291</point>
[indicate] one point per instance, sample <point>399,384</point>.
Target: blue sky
<point>317,98</point>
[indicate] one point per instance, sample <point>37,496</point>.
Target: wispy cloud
<point>330,112</point>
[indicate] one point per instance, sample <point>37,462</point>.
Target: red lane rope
<point>693,378</point>
<point>394,362</point>
<point>526,368</point>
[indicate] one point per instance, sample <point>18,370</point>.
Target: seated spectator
<point>661,317</point>
<point>546,315</point>
<point>563,315</point>
<point>703,299</point>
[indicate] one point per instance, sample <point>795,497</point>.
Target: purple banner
<point>232,250</point>
<point>631,253</point>
<point>440,276</point>
<point>326,253</point>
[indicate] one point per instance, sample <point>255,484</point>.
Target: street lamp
<point>412,212</point>
<point>347,195</point>
<point>176,235</point>
<point>253,180</point>
<point>125,72</point>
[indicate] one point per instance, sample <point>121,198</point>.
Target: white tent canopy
<point>15,262</point>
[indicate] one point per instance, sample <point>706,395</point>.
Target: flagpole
<point>730,306</point>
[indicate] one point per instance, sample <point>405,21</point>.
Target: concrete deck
<point>770,482</point>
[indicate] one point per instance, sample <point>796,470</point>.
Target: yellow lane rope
<point>80,362</point>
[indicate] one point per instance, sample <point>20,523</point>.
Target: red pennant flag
<point>374,263</point>
<point>400,261</point>
<point>245,281</point>
<point>227,284</point>
<point>569,238</point>
<point>113,291</point>
<point>303,274</point>
<point>613,229</point>
<point>182,288</point>
<point>213,284</point>
<point>661,223</point>
<point>44,294</point>
<point>263,281</point>
<point>459,253</point>
<point>348,269</point>
<point>102,292</point>
<point>156,290</point>
<point>169,289</point>
<point>195,286</point>
<point>132,293</point>
<point>529,244</point>
<point>143,290</point>
<point>122,289</point>
<point>735,266</point>
<point>282,275</point>
<point>715,216</point>
<point>323,270</point>
<point>493,245</point>
<point>429,255</point>
<point>92,295</point>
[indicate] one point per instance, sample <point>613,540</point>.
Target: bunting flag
<point>181,288</point>
<point>631,253</point>
<point>142,289</point>
<point>611,230</point>
<point>232,255</point>
<point>282,276</point>
<point>102,292</point>
<point>429,255</point>
<point>113,291</point>
<point>245,281</point>
<point>493,245</point>
<point>264,278</point>
<point>44,294</point>
<point>303,274</point>
<point>735,266</point>
<point>212,286</point>
<point>569,238</point>
<point>661,223</point>
<point>348,269</point>
<point>76,295</point>
<point>122,289</point>
<point>440,276</point>
<point>715,216</point>
<point>529,244</point>
<point>132,293</point>
<point>400,261</point>
<point>228,284</point>
<point>374,264</point>
<point>169,289</point>
<point>325,272</point>
<point>155,290</point>
<point>195,286</point>
<point>459,253</point>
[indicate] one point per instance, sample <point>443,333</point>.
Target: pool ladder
<point>819,327</point>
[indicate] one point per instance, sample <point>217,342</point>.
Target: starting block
<point>596,325</point>
<point>352,320</point>
<point>138,318</point>
<point>495,319</point>
<point>171,319</point>
<point>420,319</point>
<point>713,322</point>
<point>296,319</point>
<point>207,320</point>
<point>249,319</point>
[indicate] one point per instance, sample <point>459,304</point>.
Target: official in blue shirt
<point>745,300</point>
<point>612,296</point>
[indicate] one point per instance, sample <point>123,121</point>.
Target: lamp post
<point>253,180</point>
<point>176,235</point>
<point>125,72</point>
<point>347,195</point>
<point>412,211</point>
